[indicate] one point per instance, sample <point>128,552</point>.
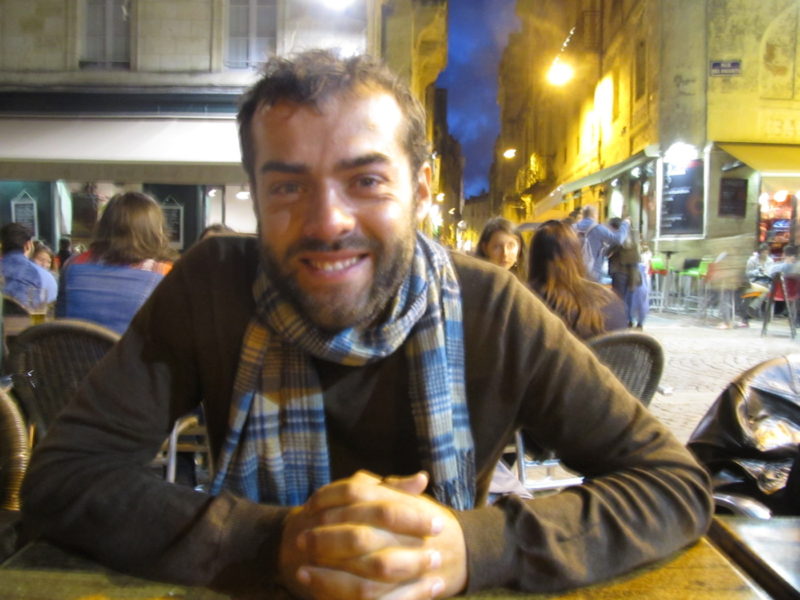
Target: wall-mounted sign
<point>726,68</point>
<point>23,211</point>
<point>173,222</point>
<point>682,200</point>
<point>732,197</point>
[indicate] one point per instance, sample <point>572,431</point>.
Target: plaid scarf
<point>276,448</point>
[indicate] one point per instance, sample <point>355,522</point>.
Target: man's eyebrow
<point>360,161</point>
<point>282,167</point>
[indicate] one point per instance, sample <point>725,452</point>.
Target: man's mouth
<point>331,266</point>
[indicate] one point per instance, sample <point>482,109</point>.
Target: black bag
<point>749,439</point>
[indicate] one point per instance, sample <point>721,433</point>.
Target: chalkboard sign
<point>682,200</point>
<point>732,197</point>
<point>23,211</point>
<point>173,223</point>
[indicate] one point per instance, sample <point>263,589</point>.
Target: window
<point>107,35</point>
<point>251,32</point>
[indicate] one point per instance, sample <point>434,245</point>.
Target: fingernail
<point>437,525</point>
<point>437,587</point>
<point>303,576</point>
<point>434,559</point>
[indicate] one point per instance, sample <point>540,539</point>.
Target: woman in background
<point>128,257</point>
<point>557,273</point>
<point>43,256</point>
<point>500,243</point>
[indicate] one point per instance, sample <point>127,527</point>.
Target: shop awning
<point>557,195</point>
<point>769,159</point>
<point>157,150</point>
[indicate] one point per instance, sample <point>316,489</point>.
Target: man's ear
<point>27,248</point>
<point>424,192</point>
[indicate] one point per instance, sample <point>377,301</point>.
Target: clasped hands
<point>367,537</point>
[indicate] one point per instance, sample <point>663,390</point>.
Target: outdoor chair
<point>13,464</point>
<point>637,360</point>
<point>747,440</point>
<point>47,363</point>
<point>784,288</point>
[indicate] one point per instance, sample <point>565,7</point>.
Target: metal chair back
<point>48,362</point>
<point>636,358</point>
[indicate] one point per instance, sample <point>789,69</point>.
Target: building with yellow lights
<point>682,114</point>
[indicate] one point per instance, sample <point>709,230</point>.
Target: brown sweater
<point>89,487</point>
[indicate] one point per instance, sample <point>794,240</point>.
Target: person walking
<point>596,238</point>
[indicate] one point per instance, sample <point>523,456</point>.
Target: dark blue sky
<point>478,31</point>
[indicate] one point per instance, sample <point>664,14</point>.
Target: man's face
<point>336,204</point>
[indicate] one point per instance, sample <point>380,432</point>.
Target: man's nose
<point>330,215</point>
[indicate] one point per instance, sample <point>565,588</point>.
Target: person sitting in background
<point>43,256</point>
<point>64,251</point>
<point>757,271</point>
<point>501,244</point>
<point>558,275</point>
<point>216,229</point>
<point>128,257</point>
<point>598,238</point>
<point>25,281</point>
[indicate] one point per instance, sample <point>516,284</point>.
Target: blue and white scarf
<point>276,448</point>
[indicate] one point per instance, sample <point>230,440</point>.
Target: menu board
<point>23,211</point>
<point>682,200</point>
<point>173,224</point>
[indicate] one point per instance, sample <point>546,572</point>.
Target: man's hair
<point>314,76</point>
<point>789,250</point>
<point>14,236</point>
<point>130,230</point>
<point>589,212</point>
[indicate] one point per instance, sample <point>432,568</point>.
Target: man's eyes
<point>285,188</point>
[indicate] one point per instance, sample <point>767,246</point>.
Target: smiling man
<point>360,383</point>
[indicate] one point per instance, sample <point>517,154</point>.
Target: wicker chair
<point>47,363</point>
<point>637,360</point>
<point>13,452</point>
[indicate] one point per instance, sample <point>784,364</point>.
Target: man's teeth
<point>335,265</point>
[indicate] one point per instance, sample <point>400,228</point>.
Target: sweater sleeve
<point>90,487</point>
<point>643,495</point>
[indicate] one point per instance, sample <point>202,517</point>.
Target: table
<point>41,571</point>
<point>766,549</point>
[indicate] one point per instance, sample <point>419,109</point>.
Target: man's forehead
<point>377,106</point>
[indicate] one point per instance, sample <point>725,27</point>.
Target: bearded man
<point>359,383</point>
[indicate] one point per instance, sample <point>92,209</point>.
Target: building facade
<point>681,114</point>
<point>99,96</point>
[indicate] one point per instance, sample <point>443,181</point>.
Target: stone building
<point>98,96</point>
<point>681,114</point>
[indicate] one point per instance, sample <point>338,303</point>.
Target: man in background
<point>596,238</point>
<point>25,281</point>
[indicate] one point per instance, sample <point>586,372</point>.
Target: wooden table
<point>42,572</point>
<point>766,549</point>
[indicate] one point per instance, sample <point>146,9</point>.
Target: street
<point>700,361</point>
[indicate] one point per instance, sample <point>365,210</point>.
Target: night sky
<point>478,30</point>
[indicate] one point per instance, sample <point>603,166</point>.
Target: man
<point>598,238</point>
<point>359,384</point>
<point>25,281</point>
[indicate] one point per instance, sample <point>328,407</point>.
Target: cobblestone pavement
<point>701,360</point>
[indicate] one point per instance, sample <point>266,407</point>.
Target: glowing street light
<point>560,73</point>
<point>510,153</point>
<point>337,4</point>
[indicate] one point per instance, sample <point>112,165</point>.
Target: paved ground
<point>701,360</point>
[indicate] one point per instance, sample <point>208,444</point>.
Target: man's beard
<point>391,264</point>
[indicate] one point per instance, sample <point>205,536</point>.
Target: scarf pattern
<point>276,449</point>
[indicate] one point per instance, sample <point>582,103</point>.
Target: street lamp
<point>560,73</point>
<point>510,153</point>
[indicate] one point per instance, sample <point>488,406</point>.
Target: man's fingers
<point>389,565</point>
<point>347,540</point>
<point>332,584</point>
<point>411,484</point>
<point>398,517</point>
